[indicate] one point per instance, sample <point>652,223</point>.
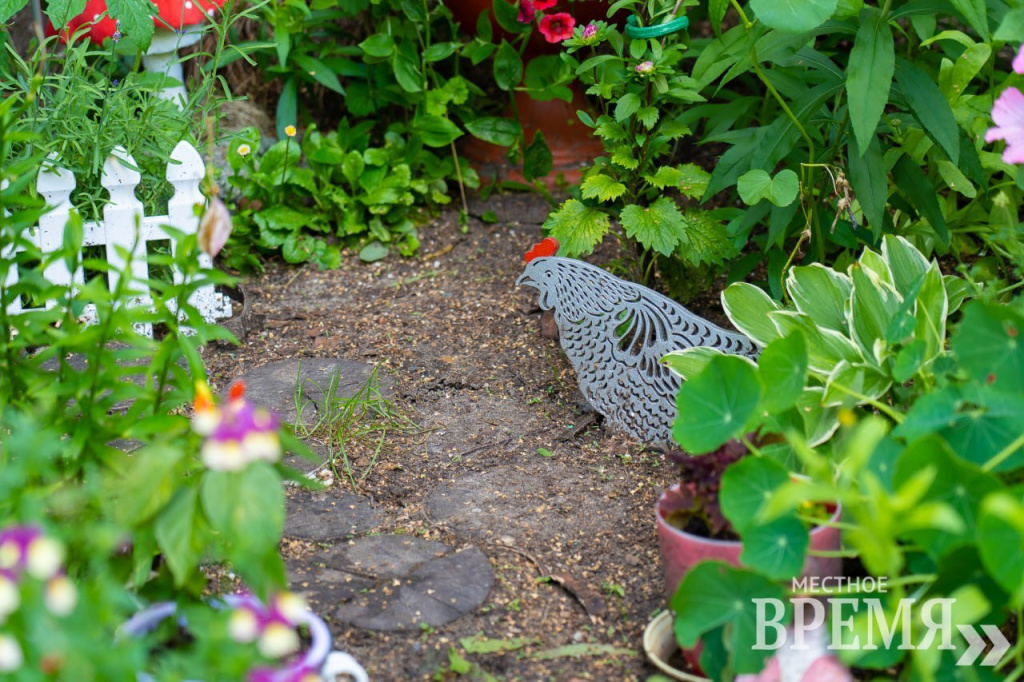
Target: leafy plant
<point>633,192</point>
<point>844,122</point>
<point>917,438</point>
<point>311,198</point>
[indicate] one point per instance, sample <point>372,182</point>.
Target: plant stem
<point>458,174</point>
<point>1003,454</point>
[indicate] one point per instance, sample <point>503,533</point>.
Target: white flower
<point>278,640</point>
<point>10,554</point>
<point>61,596</point>
<point>243,626</point>
<point>291,607</point>
<point>11,657</point>
<point>10,598</point>
<point>262,445</point>
<point>244,150</point>
<point>224,455</point>
<point>45,556</point>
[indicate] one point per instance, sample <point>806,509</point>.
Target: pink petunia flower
<point>542,5</point>
<point>526,12</point>
<point>557,27</point>
<point>1008,115</point>
<point>1018,61</point>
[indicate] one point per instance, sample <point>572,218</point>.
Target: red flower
<point>557,27</point>
<point>541,5</point>
<point>526,11</point>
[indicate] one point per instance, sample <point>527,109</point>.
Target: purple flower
<point>590,31</point>
<point>244,433</point>
<point>1008,115</point>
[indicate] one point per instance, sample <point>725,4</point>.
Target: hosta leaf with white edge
<point>822,294</point>
<point>852,385</point>
<point>748,307</point>
<point>689,362</point>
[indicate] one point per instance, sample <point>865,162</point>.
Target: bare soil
<point>566,521</point>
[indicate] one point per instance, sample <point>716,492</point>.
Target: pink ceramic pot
<point>680,550</point>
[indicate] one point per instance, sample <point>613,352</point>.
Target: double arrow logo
<point>976,645</point>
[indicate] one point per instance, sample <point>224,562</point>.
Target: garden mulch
<point>497,516</point>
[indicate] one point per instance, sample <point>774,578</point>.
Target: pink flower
<point>526,11</point>
<point>1008,115</point>
<point>557,27</point>
<point>541,5</point>
<point>590,31</point>
<point>1018,61</point>
<point>644,68</point>
<point>238,434</point>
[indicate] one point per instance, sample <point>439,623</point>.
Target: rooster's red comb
<point>237,391</point>
<point>547,247</point>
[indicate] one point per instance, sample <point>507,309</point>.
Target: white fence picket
<point>7,254</point>
<point>124,230</point>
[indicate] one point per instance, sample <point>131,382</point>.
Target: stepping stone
<point>322,516</point>
<point>273,386</point>
<point>547,500</point>
<point>394,582</point>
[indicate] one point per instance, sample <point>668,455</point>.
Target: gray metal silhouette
<point>615,334</point>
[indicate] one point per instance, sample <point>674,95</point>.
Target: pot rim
<point>656,629</point>
<point>700,539</point>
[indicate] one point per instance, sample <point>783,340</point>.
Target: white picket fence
<point>124,227</point>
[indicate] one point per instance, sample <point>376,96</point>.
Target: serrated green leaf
<point>648,116</point>
<point>658,227</point>
<point>694,180</point>
<point>136,17</point>
<point>704,240</point>
<point>577,227</point>
<point>601,187</point>
<point>667,176</point>
<point>623,156</point>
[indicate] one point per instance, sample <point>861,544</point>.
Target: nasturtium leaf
<point>8,8</point>
<point>602,187</point>
<point>756,185</point>
<point>715,405</point>
<point>782,368</point>
<point>747,307</point>
<point>957,483</point>
<point>1001,540</point>
<point>747,486</point>
<point>658,226</point>
<point>869,77</point>
<point>495,129</point>
<point>822,294</point>
<point>776,549</point>
<point>577,227</point>
<point>989,345</point>
<point>793,16</point>
<point>909,360</point>
<point>714,594</point>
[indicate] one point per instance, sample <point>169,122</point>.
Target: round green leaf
<point>776,549</point>
<point>716,405</point>
<point>746,486</point>
<point>783,370</point>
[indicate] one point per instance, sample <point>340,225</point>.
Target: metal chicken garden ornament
<point>615,334</point>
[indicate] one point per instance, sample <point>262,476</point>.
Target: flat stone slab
<point>273,386</point>
<point>546,500</point>
<point>394,582</point>
<point>322,516</point>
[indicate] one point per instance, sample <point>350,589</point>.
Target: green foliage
<point>311,198</point>
<point>918,438</point>
<point>636,188</point>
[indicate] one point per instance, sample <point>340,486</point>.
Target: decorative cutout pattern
<point>615,334</point>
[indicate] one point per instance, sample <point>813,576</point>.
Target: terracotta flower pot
<point>680,550</point>
<point>571,143</point>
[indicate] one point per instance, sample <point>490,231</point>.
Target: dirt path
<point>565,524</point>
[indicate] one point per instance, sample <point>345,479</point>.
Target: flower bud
<point>278,640</point>
<point>644,68</point>
<point>243,627</point>
<point>214,227</point>
<point>44,558</point>
<point>61,596</point>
